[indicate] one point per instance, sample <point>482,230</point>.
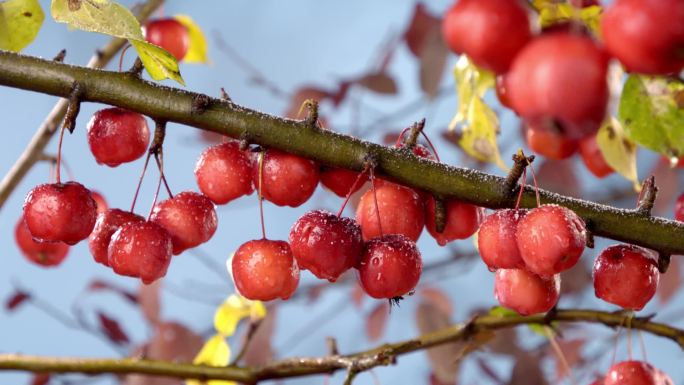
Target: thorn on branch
<point>200,103</point>
<point>331,343</point>
<point>73,108</point>
<point>416,129</point>
<point>589,235</point>
<point>440,214</point>
<point>649,191</point>
<point>60,56</point>
<point>311,119</point>
<point>520,162</point>
<point>663,262</point>
<point>137,68</point>
<point>224,95</point>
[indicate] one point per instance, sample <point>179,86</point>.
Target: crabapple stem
<point>351,190</point>
<point>59,58</point>
<point>559,352</point>
<point>156,192</point>
<point>59,154</point>
<point>375,199</point>
<point>259,194</point>
<point>414,131</point>
<point>159,158</point>
<point>122,54</point>
<point>73,108</point>
<point>440,214</point>
<point>225,96</point>
<point>647,196</point>
<point>140,180</point>
<point>520,163</point>
<point>252,329</point>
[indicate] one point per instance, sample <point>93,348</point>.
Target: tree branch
<point>296,367</point>
<point>34,150</point>
<point>329,148</point>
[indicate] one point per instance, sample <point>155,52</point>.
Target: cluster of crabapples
<point>556,79</point>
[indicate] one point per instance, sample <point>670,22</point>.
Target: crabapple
<point>265,270</point>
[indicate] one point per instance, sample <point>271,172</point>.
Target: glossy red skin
<point>525,292</point>
<point>140,249</point>
<point>46,254</point>
<point>107,224</point>
<point>593,157</point>
<point>288,179</point>
<point>325,244</point>
<point>679,209</point>
<point>550,144</point>
<point>224,172</point>
<point>340,181</point>
<point>626,276</point>
<point>169,34</point>
<point>490,32</point>
<point>400,207</point>
<point>462,220</point>
<point>390,266</point>
<point>117,136</point>
<point>550,239</point>
<point>189,217</point>
<point>100,201</point>
<point>631,373</point>
<point>502,91</point>
<point>60,212</point>
<point>559,80</point>
<point>496,239</point>
<point>265,270</point>
<point>647,36</point>
<point>584,3</point>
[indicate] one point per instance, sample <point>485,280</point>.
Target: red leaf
<point>444,359</point>
<point>376,321</point>
<point>559,176</point>
<point>357,296</point>
<point>667,179</point>
<point>433,59</point>
<point>378,82</point>
<point>572,350</point>
<point>112,329</point>
<point>148,297</point>
<point>16,299</point>
<point>419,27</point>
<point>260,350</point>
<point>576,280</point>
<point>438,298</point>
<point>98,285</point>
<point>40,379</point>
<point>527,370</point>
<point>670,282</point>
<point>341,93</point>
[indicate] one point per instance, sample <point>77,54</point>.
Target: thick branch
<point>329,148</point>
<point>297,367</point>
<point>34,150</point>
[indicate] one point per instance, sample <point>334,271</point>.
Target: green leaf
<point>113,19</point>
<point>20,21</point>
<point>502,312</point>
<point>651,112</point>
<point>197,50</point>
<point>551,12</point>
<point>619,152</point>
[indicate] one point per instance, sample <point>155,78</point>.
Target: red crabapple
<point>117,136</point>
<point>288,179</point>
<point>525,292</point>
<point>549,143</point>
<point>224,172</point>
<point>60,212</point>
<point>626,275</point>
<point>490,32</point>
<point>140,249</point>
<point>593,157</point>
<point>99,201</point>
<point>550,239</point>
<point>107,224</point>
<point>169,34</point>
<point>390,266</point>
<point>189,217</point>
<point>462,220</point>
<point>265,270</point>
<point>559,81</point>
<point>325,244</point>
<point>42,253</point>
<point>679,208</point>
<point>340,180</point>
<point>646,36</point>
<point>631,373</point>
<point>497,242</point>
<point>400,210</point>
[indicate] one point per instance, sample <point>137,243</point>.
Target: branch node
<point>411,139</point>
<point>59,58</point>
<point>520,162</point>
<point>663,262</point>
<point>73,108</point>
<point>331,344</point>
<point>589,237</point>
<point>649,191</point>
<point>225,96</point>
<point>159,136</point>
<point>311,119</point>
<point>440,214</point>
<point>137,68</point>
<point>200,103</point>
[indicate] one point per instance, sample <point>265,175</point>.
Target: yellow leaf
<point>618,151</point>
<point>113,19</point>
<point>551,12</point>
<point>478,137</point>
<point>215,352</point>
<point>20,21</point>
<point>197,50</point>
<point>233,310</point>
<point>471,82</point>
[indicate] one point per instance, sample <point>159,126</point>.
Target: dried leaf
<point>111,328</point>
<point>433,60</point>
<point>148,297</point>
<point>379,82</point>
<point>376,321</point>
<point>14,301</point>
<point>670,282</point>
<point>99,285</point>
<point>422,23</point>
